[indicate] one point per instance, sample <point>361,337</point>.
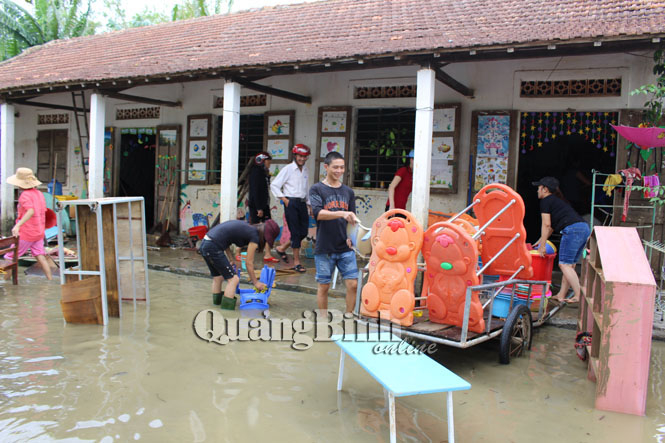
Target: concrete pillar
<point>422,162</point>
<point>7,168</point>
<point>230,146</point>
<point>96,155</point>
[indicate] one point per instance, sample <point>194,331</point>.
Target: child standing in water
<point>31,221</point>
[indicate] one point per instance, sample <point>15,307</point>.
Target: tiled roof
<point>328,30</point>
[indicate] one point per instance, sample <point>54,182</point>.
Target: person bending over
<point>557,215</point>
<point>215,249</point>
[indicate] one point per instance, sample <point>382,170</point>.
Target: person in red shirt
<point>31,221</point>
<point>400,188</point>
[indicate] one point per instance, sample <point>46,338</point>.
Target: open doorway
<point>568,146</point>
<point>137,167</point>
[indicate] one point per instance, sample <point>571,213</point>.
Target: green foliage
<point>50,20</point>
<point>655,93</point>
<point>389,142</point>
<point>117,19</point>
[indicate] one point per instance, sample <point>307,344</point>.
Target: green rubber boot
<point>217,298</point>
<point>229,303</point>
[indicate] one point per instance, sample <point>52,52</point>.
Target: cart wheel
<point>516,334</point>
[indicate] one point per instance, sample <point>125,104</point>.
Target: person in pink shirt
<point>31,221</point>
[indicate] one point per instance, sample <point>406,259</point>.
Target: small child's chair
<point>9,244</point>
<point>250,299</point>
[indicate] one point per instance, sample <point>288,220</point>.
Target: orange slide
<point>451,256</point>
<point>393,267</point>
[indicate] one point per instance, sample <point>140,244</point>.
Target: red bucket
<point>542,266</point>
<point>51,219</point>
<point>198,232</point>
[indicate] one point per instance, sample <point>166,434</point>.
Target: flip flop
<point>299,268</point>
<point>282,255</point>
<point>270,260</point>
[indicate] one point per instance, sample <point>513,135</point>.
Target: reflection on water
<point>148,377</point>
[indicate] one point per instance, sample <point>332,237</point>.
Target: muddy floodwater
<point>148,377</point>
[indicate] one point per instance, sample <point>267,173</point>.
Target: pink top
<point>33,229</point>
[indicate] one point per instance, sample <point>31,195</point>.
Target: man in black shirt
<point>215,249</point>
<point>557,215</point>
<point>333,205</point>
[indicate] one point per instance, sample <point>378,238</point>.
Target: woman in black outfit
<point>259,197</point>
<point>558,216</point>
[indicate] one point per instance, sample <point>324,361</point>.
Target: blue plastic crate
<point>501,305</point>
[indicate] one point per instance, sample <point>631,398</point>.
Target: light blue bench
<point>400,375</point>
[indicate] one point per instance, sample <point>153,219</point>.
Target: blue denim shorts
<point>325,265</point>
<point>572,243</point>
<point>216,259</point>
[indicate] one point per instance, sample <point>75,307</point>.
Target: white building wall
<point>496,86</point>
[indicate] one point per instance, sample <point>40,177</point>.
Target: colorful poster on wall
<point>493,135</point>
<point>198,149</point>
<point>279,124</point>
<point>444,120</point>
<point>322,171</point>
<point>197,171</point>
<point>443,148</point>
<point>279,148</point>
<point>330,144</point>
<point>198,127</point>
<point>333,121</point>
<point>490,170</point>
<point>274,169</point>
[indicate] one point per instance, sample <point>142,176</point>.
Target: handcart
<point>508,309</point>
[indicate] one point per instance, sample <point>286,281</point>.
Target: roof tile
<point>326,30</point>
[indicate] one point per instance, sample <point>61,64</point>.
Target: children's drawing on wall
<point>333,121</point>
<point>490,170</point>
<point>197,149</point>
<point>279,148</point>
<point>444,120</point>
<point>274,169</point>
<point>279,124</point>
<point>199,219</point>
<point>364,204</point>
<point>196,171</point>
<point>322,172</point>
<point>493,135</point>
<point>441,174</point>
<point>198,127</point>
<point>330,144</point>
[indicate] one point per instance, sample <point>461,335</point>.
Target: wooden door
<point>167,174</point>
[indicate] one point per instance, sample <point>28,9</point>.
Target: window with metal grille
<point>52,145</point>
<point>251,141</point>
<point>384,137</point>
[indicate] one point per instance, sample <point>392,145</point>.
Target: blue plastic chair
<point>250,299</point>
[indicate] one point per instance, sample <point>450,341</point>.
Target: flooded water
<point>148,377</point>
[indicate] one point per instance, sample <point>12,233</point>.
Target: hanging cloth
<point>631,175</point>
<point>610,183</point>
<point>652,182</point>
